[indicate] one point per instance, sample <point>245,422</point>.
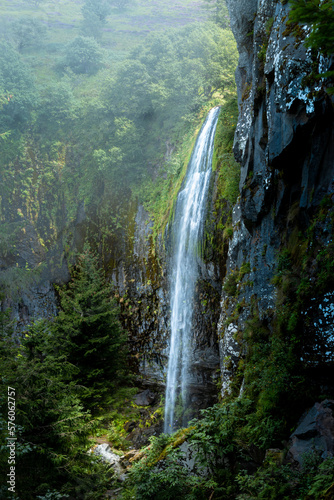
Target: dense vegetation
<point>239,445</point>
<point>63,373</point>
<point>86,119</point>
<point>93,135</point>
<point>93,122</point>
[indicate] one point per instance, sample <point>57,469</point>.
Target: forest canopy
<point>85,123</point>
<point>100,104</point>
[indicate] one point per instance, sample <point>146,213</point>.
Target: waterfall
<point>187,234</point>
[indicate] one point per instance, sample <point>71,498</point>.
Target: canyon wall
<point>285,144</point>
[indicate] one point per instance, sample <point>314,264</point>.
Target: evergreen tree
<point>51,428</point>
<point>92,335</point>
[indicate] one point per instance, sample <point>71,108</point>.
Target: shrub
<point>83,56</point>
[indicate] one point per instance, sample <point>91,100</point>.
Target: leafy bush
<point>164,473</point>
<point>319,15</point>
<point>83,56</point>
<point>16,80</point>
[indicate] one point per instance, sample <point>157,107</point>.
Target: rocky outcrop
<point>26,277</point>
<point>142,281</point>
<point>145,398</point>
<point>143,284</point>
<point>105,453</point>
<point>284,143</point>
<point>314,434</point>
<point>29,268</point>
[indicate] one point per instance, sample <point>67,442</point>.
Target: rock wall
<point>143,284</point>
<point>284,143</point>
<point>143,296</point>
<point>29,272</point>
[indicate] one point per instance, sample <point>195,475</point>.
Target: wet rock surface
<point>284,143</point>
<point>106,454</point>
<point>143,284</point>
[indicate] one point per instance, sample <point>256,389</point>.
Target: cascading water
<point>187,233</point>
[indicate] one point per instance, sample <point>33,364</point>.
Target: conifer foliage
<point>52,428</point>
<point>61,371</point>
<point>89,326</point>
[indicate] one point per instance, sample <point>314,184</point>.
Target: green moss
<point>159,195</point>
<point>244,269</point>
<point>233,281</point>
<point>246,92</point>
<point>262,53</point>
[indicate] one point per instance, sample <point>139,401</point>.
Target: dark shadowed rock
<point>315,433</point>
<point>129,426</point>
<point>284,144</point>
<point>141,437</point>
<point>145,398</point>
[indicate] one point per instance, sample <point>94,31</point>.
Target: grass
<point>123,30</point>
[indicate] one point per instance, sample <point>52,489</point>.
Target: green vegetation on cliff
<point>97,115</point>
<point>99,126</point>
<point>240,445</point>
<point>319,15</point>
<point>313,21</point>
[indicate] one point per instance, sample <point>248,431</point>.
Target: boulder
<point>315,433</point>
<point>145,398</point>
<point>107,455</point>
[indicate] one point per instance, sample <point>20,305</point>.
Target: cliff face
<point>144,294</point>
<point>284,143</point>
<point>282,220</point>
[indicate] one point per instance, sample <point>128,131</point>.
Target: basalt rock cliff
<point>280,252</point>
<point>282,239</point>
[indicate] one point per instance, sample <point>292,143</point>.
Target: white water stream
<point>187,235</point>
